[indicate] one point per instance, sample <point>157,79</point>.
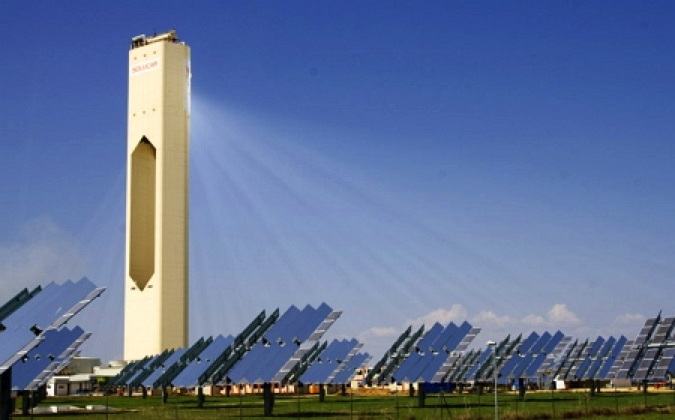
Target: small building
<point>82,376</point>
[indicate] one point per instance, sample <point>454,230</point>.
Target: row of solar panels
<point>651,355</point>
<point>414,357</point>
<point>287,349</point>
<point>35,345</point>
<point>271,349</point>
<point>539,358</point>
<point>422,356</point>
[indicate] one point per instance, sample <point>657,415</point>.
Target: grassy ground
<point>563,405</point>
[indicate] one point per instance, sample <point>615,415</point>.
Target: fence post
<point>297,393</point>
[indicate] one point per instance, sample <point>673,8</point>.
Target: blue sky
<point>507,163</point>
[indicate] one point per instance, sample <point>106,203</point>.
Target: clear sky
<point>505,163</point>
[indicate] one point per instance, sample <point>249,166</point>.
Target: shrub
<point>572,414</point>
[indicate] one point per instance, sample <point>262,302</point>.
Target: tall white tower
<point>156,268</point>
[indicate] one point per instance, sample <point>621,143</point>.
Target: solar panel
<point>294,336</point>
<point>516,357</point>
<point>527,359</point>
<point>56,342</point>
<point>229,361</point>
<point>598,358</point>
<point>630,363</point>
<point>264,349</point>
<point>325,325</point>
<point>556,347</point>
<point>605,371</point>
<point>583,367</point>
<point>454,355</point>
<point>151,380</point>
<point>563,364</point>
<point>538,346</point>
<point>489,359</point>
<point>306,361</point>
<point>506,368</point>
<point>151,367</point>
<point>596,346</point>
<point>528,343</point>
<point>394,360</point>
<point>309,334</point>
<point>59,363</point>
<point>326,365</point>
<point>607,346</point>
<point>284,345</point>
<point>47,310</point>
<point>506,358</point>
<point>170,373</point>
<point>647,330</point>
<point>250,329</point>
<point>576,360</point>
<point>17,333</point>
<point>618,364</point>
<point>646,363</point>
<point>460,372</point>
<point>392,352</point>
<point>231,354</point>
<point>349,370</point>
<point>446,349</point>
<point>346,362</point>
<point>651,350</point>
<point>473,372</point>
<point>14,303</point>
<point>130,371</point>
<point>329,361</point>
<point>496,361</point>
<point>189,377</point>
<point>665,364</point>
<point>126,371</point>
<point>534,355</point>
<point>529,363</point>
<point>663,331</point>
<point>403,373</point>
<point>429,365</point>
<point>141,370</point>
<point>557,343</point>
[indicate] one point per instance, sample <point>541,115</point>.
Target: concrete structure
<point>156,268</point>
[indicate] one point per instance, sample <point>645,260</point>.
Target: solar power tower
<point>156,268</point>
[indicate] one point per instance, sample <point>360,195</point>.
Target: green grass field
<point>563,405</point>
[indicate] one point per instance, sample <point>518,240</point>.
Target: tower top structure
<point>142,40</point>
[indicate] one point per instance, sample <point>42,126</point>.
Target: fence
<point>357,405</point>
